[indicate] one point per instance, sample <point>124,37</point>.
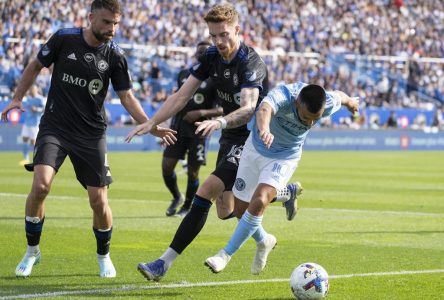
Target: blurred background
<point>390,53</point>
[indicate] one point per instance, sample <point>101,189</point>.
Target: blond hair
<point>222,13</point>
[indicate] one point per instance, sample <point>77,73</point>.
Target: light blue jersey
<point>32,118</point>
<point>288,130</point>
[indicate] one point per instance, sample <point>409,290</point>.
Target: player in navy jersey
<point>271,155</point>
<point>240,78</point>
<point>84,61</point>
<point>202,106</point>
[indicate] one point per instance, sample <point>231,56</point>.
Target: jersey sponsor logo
<point>95,86</point>
<point>239,184</point>
<point>250,76</point>
<point>227,73</point>
<point>286,123</point>
<point>102,65</point>
<point>198,98</point>
<point>235,80</point>
<point>89,57</point>
<point>45,50</point>
<point>74,80</point>
<point>72,56</point>
<point>224,96</point>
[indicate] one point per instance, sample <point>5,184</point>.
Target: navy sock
<point>33,232</point>
<point>103,239</point>
<point>171,183</point>
<point>192,224</point>
<point>192,186</point>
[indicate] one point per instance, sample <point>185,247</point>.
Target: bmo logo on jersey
<point>227,97</point>
<point>94,87</point>
<point>74,80</point>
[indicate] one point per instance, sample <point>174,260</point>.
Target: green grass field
<point>374,220</point>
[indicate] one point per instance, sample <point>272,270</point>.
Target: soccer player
<point>85,60</point>
<point>271,155</point>
<point>34,106</point>
<point>240,78</point>
<point>200,107</point>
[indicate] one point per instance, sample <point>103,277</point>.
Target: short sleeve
<point>120,77</point>
<point>49,51</point>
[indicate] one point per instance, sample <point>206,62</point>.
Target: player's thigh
<point>197,152</point>
<point>176,150</point>
<point>277,172</point>
<point>227,164</point>
<point>247,174</point>
<point>50,150</point>
<point>90,162</point>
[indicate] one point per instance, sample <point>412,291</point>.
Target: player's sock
<point>192,224</point>
<point>247,225</point>
<point>25,150</point>
<point>282,195</point>
<point>192,186</point>
<point>103,238</point>
<point>33,228</point>
<point>169,256</point>
<point>171,183</point>
<point>260,234</point>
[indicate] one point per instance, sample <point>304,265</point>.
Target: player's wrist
<point>223,122</point>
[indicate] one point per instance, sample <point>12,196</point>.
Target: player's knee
<point>99,205</point>
<point>40,190</point>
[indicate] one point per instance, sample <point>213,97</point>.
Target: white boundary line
<point>339,210</point>
<point>201,284</point>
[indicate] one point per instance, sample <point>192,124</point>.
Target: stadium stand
<point>390,53</point>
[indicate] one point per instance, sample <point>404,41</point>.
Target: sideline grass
<point>361,212</point>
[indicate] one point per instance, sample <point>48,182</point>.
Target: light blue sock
<point>247,225</point>
<point>259,234</point>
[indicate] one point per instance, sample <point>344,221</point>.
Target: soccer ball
<point>309,281</point>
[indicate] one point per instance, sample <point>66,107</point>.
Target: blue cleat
<point>153,270</point>
<point>291,206</point>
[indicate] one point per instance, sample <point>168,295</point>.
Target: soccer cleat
<point>262,250</point>
<point>106,266</point>
<point>218,262</point>
<point>171,210</point>
<point>154,270</point>
<point>24,268</point>
<point>291,206</point>
<point>182,212</point>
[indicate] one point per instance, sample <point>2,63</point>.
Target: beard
<point>102,37</point>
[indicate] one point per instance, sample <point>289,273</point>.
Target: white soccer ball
<point>309,281</point>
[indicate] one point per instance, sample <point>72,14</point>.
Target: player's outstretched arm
<point>241,116</point>
<point>263,118</point>
<point>30,73</point>
<point>172,105</point>
<point>194,115</point>
<point>352,103</point>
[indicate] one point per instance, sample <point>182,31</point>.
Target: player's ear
<point>237,29</point>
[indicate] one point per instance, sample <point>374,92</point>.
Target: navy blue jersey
<point>79,83</point>
<point>203,98</point>
<point>247,69</point>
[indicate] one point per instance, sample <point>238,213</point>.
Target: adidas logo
<point>72,56</point>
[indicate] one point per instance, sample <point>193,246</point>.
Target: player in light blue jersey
<point>34,106</point>
<point>270,157</point>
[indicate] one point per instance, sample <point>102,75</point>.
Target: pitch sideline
<point>202,284</point>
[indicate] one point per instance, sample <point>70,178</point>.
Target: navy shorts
<point>227,164</point>
<point>88,157</point>
<point>195,149</point>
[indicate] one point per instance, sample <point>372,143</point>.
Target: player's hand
<point>353,105</point>
<point>267,137</point>
<point>207,127</point>
<point>192,116</point>
<point>14,104</point>
<point>166,134</point>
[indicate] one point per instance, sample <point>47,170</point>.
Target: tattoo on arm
<point>243,114</point>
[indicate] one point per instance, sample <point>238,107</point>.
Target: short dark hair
<point>111,5</point>
<point>313,96</point>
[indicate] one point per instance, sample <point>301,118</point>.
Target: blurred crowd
<point>334,43</point>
